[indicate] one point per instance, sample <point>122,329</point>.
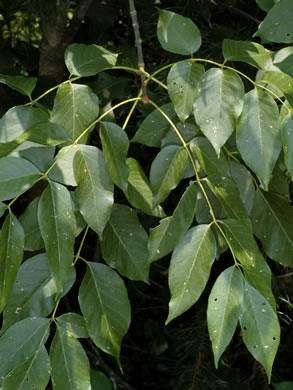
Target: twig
<point>285,275</point>
<point>138,45</point>
<point>243,13</point>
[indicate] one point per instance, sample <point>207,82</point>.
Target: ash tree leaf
<point>11,254</point>
<point>258,134</point>
<point>166,171</point>
<point>260,328</point>
<point>218,105</point>
<point>2,208</point>
<point>41,156</point>
<point>24,85</point>
<point>33,240</point>
<point>63,171</point>
<point>75,108</point>
<point>154,127</point>
<point>105,306</point>
<point>279,182</point>
<point>283,60</point>
<point>272,218</point>
<point>74,325</point>
<point>33,374</point>
<point>58,226</point>
<point>94,194</point>
<point>115,147</point>
<point>190,267</point>
<point>129,254</point>
<point>139,193</point>
<point>250,52</point>
<point>207,158</point>
<point>164,237</point>
<point>99,381</point>
<point>282,81</point>
<point>21,341</point>
<point>47,133</point>
<point>266,5</point>
<point>287,139</point>
<point>17,175</point>
<point>88,60</point>
<point>182,80</point>
<point>177,34</point>
<point>188,131</point>
<point>224,308</point>
<point>277,25</point>
<point>256,270</point>
<point>70,365</point>
<point>203,212</point>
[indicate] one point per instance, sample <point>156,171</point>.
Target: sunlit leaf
<point>282,81</point>
<point>47,133</point>
<point>63,171</point>
<point>73,324</point>
<point>283,60</point>
<point>24,85</point>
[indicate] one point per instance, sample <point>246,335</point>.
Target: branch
<point>138,45</point>
<point>243,13</point>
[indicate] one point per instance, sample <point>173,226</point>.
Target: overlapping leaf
<point>203,212</point>
<point>47,133</point>
<point>73,324</point>
<point>24,85</point>
<point>282,81</point>
<point>29,219</point>
<point>63,171</point>
<point>104,303</point>
<point>218,104</point>
<point>283,60</point>
<point>287,138</point>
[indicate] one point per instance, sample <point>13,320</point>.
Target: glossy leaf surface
<point>63,171</point>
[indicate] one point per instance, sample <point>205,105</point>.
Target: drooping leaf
<point>20,342</point>
<point>99,381</point>
<point>272,218</point>
<point>164,237</point>
<point>63,171</point>
<point>29,219</point>
<point>94,193</point>
<point>73,324</point>
<point>33,374</point>
<point>190,267</point>
<point>129,254</point>
<point>115,147</point>
<point>11,253</point>
<point>24,85</point>
<point>154,127</point>
<point>182,80</point>
<point>287,138</point>
<point>75,108</point>
<point>258,134</point>
<point>203,212</point>
<point>17,175</point>
<point>70,365</point>
<point>250,52</point>
<point>47,133</point>
<point>260,328</point>
<point>207,157</point>
<point>57,225</point>
<point>218,105</point>
<point>88,60</point>
<point>177,34</point>
<point>256,270</point>
<point>188,130</point>
<point>224,308</point>
<point>139,192</point>
<point>166,171</point>
<point>104,303</point>
<point>277,25</point>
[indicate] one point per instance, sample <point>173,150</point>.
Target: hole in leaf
<point>288,34</point>
<point>215,299</point>
<point>274,338</point>
<point>255,346</point>
<point>263,303</point>
<point>244,327</point>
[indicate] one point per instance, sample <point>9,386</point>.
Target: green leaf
<point>266,5</point>
<point>70,365</point>
<point>63,171</point>
<point>47,134</point>
<point>272,218</point>
<point>94,193</point>
<point>282,82</point>
<point>20,342</point>
<point>287,138</point>
<point>115,147</point>
<point>164,237</point>
<point>41,156</point>
<point>166,171</point>
<point>218,104</point>
<point>283,60</point>
<point>17,175</point>
<point>256,270</point>
<point>279,182</point>
<point>190,267</point>
<point>24,85</point>
<point>250,52</point>
<point>11,253</point>
<point>129,254</point>
<point>258,134</point>
<point>188,130</point>
<point>139,193</point>
<point>73,324</point>
<point>33,374</point>
<point>17,120</point>
<point>88,60</point>
<point>154,127</point>
<point>29,219</point>
<point>182,80</point>
<point>277,25</point>
<point>260,328</point>
<point>104,303</point>
<point>2,208</point>
<point>177,34</point>
<point>224,308</point>
<point>244,182</point>
<point>207,157</point>
<point>203,212</point>
<point>284,385</point>
<point>75,108</point>
<point>99,381</point>
<point>58,226</point>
